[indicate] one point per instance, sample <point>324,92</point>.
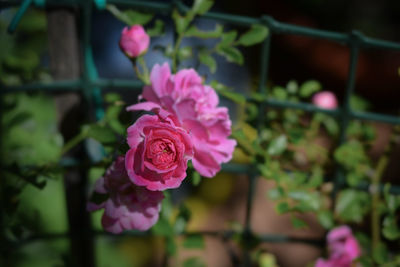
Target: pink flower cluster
<point>187,125</point>
<point>194,107</point>
<point>343,248</point>
<point>126,205</point>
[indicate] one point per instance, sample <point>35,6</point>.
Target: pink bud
<point>325,99</point>
<point>134,41</point>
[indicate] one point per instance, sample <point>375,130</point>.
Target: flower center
<point>161,152</point>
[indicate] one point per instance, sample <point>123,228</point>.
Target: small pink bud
<point>325,99</point>
<point>134,41</point>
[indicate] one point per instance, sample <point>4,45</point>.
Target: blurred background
<point>34,127</point>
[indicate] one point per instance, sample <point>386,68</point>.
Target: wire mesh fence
<point>90,87</point>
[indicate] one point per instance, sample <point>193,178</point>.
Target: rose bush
<point>134,41</point>
<point>158,154</point>
<point>126,206</point>
<point>195,107</point>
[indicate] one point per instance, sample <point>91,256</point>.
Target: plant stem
<point>137,71</point>
<point>175,52</point>
<point>73,142</point>
<point>380,168</point>
<point>145,77</point>
<point>375,213</point>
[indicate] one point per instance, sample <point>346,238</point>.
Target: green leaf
<point>390,228</point>
<point>251,111</point>
<point>330,125</point>
<point>279,93</point>
<point>277,145</point>
<point>182,219</point>
<point>181,23</point>
<point>292,87</point>
<point>112,97</point>
<point>194,242</point>
<point>369,132</point>
<point>163,228</point>
<point>100,133</point>
<point>243,141</point>
<point>227,38</point>
<point>29,130</point>
<point>309,87</point>
<point>380,253</point>
<point>298,223</point>
<point>166,206</point>
<point>351,154</point>
<point>193,262</point>
<point>325,218</point>
<point>130,17</point>
<point>258,97</point>
<point>112,118</point>
<point>185,53</point>
<point>17,119</point>
<point>267,260</point>
<point>168,50</point>
<point>171,246</point>
<point>352,205</point>
<point>282,207</point>
<point>392,201</point>
<point>157,29</point>
<point>208,60</point>
<point>196,178</point>
<point>231,54</point>
<point>255,35</point>
<point>24,60</point>
<point>275,193</point>
<point>202,6</point>
<point>316,178</point>
<point>193,31</point>
<point>309,200</point>
<point>357,103</point>
<point>235,97</point>
<point>225,91</point>
<point>354,178</point>
<point>32,22</point>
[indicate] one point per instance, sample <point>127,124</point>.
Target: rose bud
<point>134,41</point>
<point>325,99</point>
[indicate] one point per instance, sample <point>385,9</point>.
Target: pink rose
<point>325,99</point>
<point>126,206</point>
<point>158,154</point>
<point>134,41</point>
<point>341,241</point>
<point>343,248</point>
<point>195,107</point>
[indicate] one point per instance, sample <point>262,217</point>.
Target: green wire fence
<point>90,85</point>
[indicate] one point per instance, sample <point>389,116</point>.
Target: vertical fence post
<point>65,64</point>
<point>354,45</point>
